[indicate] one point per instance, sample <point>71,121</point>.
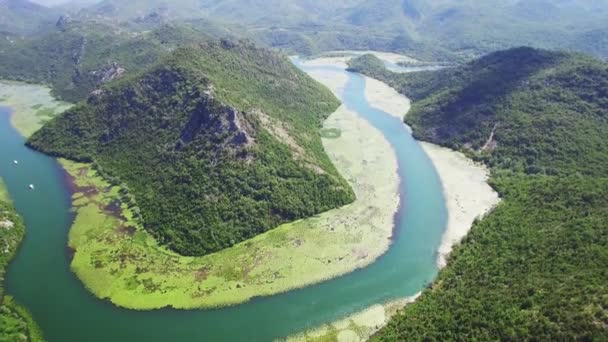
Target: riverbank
<point>16,323</point>
<point>357,327</point>
<point>466,192</point>
<point>465,183</point>
<point>117,260</point>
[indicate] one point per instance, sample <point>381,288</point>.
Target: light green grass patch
<point>4,195</point>
<point>330,133</point>
<point>32,105</point>
<point>117,259</point>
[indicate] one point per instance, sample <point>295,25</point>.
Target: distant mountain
<point>216,143</point>
<point>534,267</point>
<point>77,57</point>
<point>24,17</point>
<point>423,28</point>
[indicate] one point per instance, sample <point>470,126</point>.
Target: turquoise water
<point>39,277</point>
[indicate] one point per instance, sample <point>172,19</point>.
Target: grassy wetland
<point>118,260</point>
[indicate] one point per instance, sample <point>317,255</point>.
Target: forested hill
<point>75,57</point>
<point>217,143</point>
<point>523,109</point>
<point>536,266</point>
<point>427,29</point>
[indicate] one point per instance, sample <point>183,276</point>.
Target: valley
<point>88,212</point>
<point>303,170</point>
<point>538,242</point>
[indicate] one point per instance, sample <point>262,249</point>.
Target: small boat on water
<point>31,186</point>
<point>15,162</point>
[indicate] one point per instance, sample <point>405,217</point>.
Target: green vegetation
<point>429,30</point>
<point>117,259</point>
<point>16,324</point>
<point>32,105</point>
<point>212,146</point>
<point>536,265</point>
<point>82,56</point>
<point>4,196</point>
<point>526,110</point>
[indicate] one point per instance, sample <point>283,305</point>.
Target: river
<point>41,280</point>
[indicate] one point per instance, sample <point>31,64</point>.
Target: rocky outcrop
<point>109,73</point>
<point>229,128</point>
<point>7,224</point>
<point>63,22</point>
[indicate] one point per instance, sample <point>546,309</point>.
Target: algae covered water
<point>40,278</point>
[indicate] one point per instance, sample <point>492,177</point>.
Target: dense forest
<point>77,57</point>
<point>213,145</point>
<point>16,324</point>
<point>536,266</point>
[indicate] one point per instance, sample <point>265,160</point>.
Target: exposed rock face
<point>109,73</point>
<point>63,22</point>
<point>7,224</point>
<point>228,126</point>
<point>79,51</point>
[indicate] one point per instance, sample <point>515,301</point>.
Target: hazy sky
<point>58,2</point>
<point>50,2</point>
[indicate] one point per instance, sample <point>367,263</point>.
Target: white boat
<point>15,162</point>
<point>32,186</point>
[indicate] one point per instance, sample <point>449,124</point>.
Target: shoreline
<point>467,197</point>
<point>464,182</point>
<point>292,256</point>
<point>359,326</point>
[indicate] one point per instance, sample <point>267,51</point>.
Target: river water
<point>40,278</point>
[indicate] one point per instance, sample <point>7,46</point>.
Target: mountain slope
<point>77,57</point>
<point>24,17</point>
<point>216,144</point>
<point>545,111</point>
<point>438,30</point>
<point>534,267</point>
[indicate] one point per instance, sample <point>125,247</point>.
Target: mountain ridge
<point>215,144</point>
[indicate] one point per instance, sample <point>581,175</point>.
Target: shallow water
<point>40,278</point>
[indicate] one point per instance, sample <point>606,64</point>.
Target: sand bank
<point>468,195</point>
<point>464,182</point>
<point>357,327</point>
<point>381,96</point>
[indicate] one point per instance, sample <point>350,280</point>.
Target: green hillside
<point>536,265</point>
<point>81,56</point>
<point>446,30</point>
<point>547,109</point>
<point>214,145</point>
